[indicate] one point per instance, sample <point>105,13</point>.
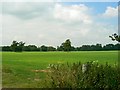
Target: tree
<point>85,48</point>
<point>108,47</point>
<point>66,45</point>
<point>17,46</point>
<point>14,46</point>
<point>32,48</point>
<point>20,46</point>
<point>72,48</point>
<point>43,48</point>
<point>98,47</point>
<point>115,37</point>
<point>50,48</point>
<point>117,46</point>
<point>59,48</point>
<point>5,48</point>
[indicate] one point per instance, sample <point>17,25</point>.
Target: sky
<point>51,23</point>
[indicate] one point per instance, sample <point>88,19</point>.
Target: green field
<point>18,67</point>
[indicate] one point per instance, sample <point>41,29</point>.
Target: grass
<point>18,68</point>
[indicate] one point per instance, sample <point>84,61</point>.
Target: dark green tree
<point>32,48</point>
<point>5,48</point>
<point>98,47</point>
<point>17,46</point>
<point>50,48</point>
<point>109,47</point>
<point>14,46</point>
<point>20,46</point>
<point>67,45</point>
<point>43,48</point>
<point>60,48</point>
<point>115,37</point>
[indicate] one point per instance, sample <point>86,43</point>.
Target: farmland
<point>18,68</point>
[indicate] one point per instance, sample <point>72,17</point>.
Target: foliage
<point>60,48</point>
<point>115,37</point>
<point>17,46</point>
<point>43,48</point>
<point>66,45</point>
<point>88,75</point>
<point>6,48</point>
<point>31,48</point>
<point>50,48</point>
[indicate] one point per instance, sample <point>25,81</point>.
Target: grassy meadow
<point>18,68</point>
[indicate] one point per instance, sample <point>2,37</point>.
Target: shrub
<point>78,75</point>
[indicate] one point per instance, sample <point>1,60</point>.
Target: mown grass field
<point>18,68</point>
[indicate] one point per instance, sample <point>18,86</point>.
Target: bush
<point>88,75</point>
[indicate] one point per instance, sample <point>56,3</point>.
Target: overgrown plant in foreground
<point>88,75</point>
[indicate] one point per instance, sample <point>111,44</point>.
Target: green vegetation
<point>65,46</point>
<point>28,69</point>
<point>17,46</point>
<point>88,75</point>
<point>115,37</point>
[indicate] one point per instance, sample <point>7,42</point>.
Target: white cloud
<point>72,13</point>
<point>111,12</point>
<point>26,10</point>
<point>56,24</point>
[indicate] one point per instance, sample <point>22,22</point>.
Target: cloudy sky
<point>51,23</point>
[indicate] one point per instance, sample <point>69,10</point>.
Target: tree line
<point>65,46</point>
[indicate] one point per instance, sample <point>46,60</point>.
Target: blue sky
<point>99,7</point>
<point>52,23</point>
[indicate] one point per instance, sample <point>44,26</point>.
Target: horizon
<point>61,44</point>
